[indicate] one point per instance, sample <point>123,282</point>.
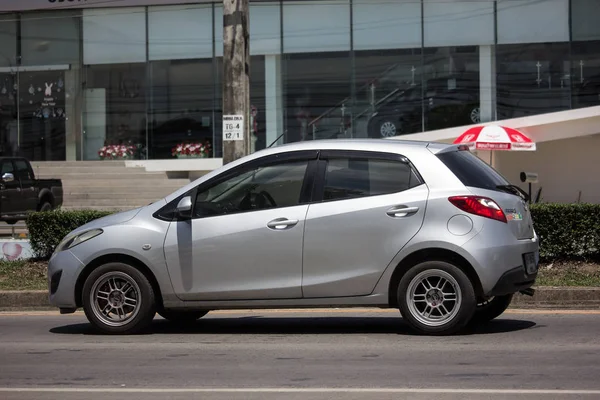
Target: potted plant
<point>117,152</point>
<point>192,150</point>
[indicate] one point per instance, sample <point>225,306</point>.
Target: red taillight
<point>482,206</point>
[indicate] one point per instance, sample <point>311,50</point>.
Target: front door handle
<point>282,223</point>
<point>401,211</point>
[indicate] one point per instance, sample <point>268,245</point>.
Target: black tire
<point>144,299</point>
<point>182,317</point>
<point>46,206</point>
<point>459,313</point>
<point>490,309</point>
<point>11,221</point>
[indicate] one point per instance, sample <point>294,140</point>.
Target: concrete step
<point>98,185</point>
<point>53,171</point>
<point>104,175</point>
<point>124,202</point>
<point>98,208</point>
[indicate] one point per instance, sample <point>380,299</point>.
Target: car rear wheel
<point>118,299</point>
<point>384,127</point>
<point>46,207</point>
<point>436,298</point>
<point>182,317</point>
<point>491,308</point>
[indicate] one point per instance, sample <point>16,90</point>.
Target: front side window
<point>261,188</point>
<point>7,168</point>
<point>348,178</point>
<point>23,171</point>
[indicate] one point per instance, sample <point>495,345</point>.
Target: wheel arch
<point>431,254</point>
<point>122,258</point>
<point>45,196</point>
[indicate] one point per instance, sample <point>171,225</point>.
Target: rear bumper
<point>513,281</point>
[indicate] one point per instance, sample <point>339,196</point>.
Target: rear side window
<point>471,170</point>
<point>348,178</point>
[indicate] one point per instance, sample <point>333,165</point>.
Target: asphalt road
<point>349,354</point>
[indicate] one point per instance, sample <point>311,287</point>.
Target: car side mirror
<point>8,177</point>
<point>184,208</point>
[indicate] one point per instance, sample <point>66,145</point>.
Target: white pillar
<point>273,99</point>
<point>487,83</point>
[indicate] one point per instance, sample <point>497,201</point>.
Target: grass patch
<point>23,275</point>
<point>31,275</point>
<point>569,273</point>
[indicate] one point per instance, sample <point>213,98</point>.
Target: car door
<point>29,192</point>
<point>10,190</point>
<point>244,240</point>
<point>367,206</point>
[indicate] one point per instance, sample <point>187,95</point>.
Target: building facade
<point>77,76</point>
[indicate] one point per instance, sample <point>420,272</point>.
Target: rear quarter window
<point>471,170</point>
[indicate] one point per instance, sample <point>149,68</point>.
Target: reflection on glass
<point>387,81</point>
<point>115,112</point>
<point>585,73</point>
<point>532,79</point>
<point>318,96</point>
<point>451,87</point>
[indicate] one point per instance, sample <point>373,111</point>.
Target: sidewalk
<point>545,297</point>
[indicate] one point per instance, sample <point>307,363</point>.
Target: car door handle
<point>401,211</point>
<point>282,223</point>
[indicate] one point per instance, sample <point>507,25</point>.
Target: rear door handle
<point>282,223</point>
<point>401,211</point>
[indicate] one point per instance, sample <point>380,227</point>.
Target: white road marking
<point>304,390</point>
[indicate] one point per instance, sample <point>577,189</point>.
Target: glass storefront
<point>137,82</point>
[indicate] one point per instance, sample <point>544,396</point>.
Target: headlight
<point>72,241</point>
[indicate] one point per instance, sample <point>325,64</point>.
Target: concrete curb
<point>545,297</point>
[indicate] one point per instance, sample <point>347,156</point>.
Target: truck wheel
<point>436,298</point>
<point>490,309</point>
<point>182,317</point>
<point>118,299</point>
<point>46,206</point>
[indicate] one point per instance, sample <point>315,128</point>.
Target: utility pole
<point>236,80</point>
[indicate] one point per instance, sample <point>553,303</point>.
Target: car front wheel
<point>118,299</point>
<point>436,298</point>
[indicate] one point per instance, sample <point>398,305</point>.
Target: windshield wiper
<point>514,189</point>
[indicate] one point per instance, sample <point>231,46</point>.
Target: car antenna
<point>278,137</point>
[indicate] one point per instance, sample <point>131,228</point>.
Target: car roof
<point>383,145</point>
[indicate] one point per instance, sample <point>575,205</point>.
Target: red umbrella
<point>493,137</point>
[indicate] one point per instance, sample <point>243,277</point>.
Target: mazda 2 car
<point>427,228</point>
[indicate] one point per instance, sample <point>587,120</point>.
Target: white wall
<point>564,166</point>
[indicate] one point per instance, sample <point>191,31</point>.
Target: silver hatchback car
<point>427,228</point>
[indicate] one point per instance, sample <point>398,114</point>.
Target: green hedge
<point>567,231</point>
<point>47,229</point>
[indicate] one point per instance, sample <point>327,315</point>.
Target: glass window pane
<point>316,26</point>
<point>354,178</point>
<point>388,92</point>
<point>8,40</point>
<point>192,37</point>
<point>471,170</point>
<point>585,73</point>
<point>585,15</point>
<point>532,79</point>
<point>265,28</point>
<point>114,36</point>
<point>181,115</point>
<point>50,38</point>
<point>273,186</point>
<point>533,21</point>
<point>458,23</point>
<point>451,91</point>
<point>115,112</point>
<point>383,24</point>
<point>317,88</point>
<point>7,167</point>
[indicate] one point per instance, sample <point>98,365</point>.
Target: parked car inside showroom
<point>443,102</point>
<point>427,228</point>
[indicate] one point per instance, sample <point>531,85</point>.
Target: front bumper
<point>63,270</point>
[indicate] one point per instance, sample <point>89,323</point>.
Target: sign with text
<point>233,127</point>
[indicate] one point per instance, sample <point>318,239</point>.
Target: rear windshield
<point>471,170</point>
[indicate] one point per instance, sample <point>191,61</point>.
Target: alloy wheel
<point>434,297</point>
<point>115,298</point>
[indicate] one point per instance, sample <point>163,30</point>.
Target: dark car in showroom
<point>444,102</point>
